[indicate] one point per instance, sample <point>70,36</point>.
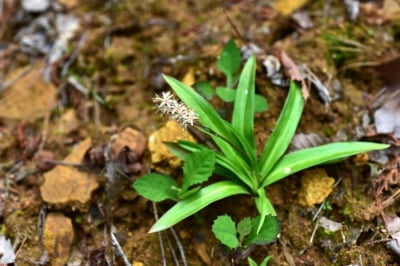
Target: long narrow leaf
<point>284,130</point>
<point>207,115</point>
<point>196,202</point>
<point>243,109</point>
<point>264,207</point>
<point>299,160</point>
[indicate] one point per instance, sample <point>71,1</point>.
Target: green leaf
<point>207,115</point>
<point>243,109</point>
<point>284,130</point>
<point>156,187</point>
<point>244,228</point>
<point>196,202</point>
<point>260,103</point>
<point>226,94</point>
<point>225,230</point>
<point>268,233</point>
<point>198,168</point>
<point>264,207</point>
<point>263,263</point>
<point>205,89</point>
<point>299,160</point>
<point>229,59</point>
<point>224,166</point>
<point>251,262</point>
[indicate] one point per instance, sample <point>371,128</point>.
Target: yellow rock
<point>189,79</point>
<point>287,7</point>
<point>316,185</point>
<point>162,160</point>
<point>57,237</point>
<point>66,184</point>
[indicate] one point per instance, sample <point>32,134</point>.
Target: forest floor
<point>76,114</point>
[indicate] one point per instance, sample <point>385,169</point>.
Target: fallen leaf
<point>293,72</point>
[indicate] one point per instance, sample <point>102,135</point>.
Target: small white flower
<point>175,110</point>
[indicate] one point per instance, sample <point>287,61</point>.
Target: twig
<point>79,86</point>
<point>164,259</point>
<point>240,36</point>
<point>323,203</point>
<point>314,231</point>
<point>118,247</point>
<point>179,245</point>
<point>74,55</point>
<point>76,165</point>
<point>173,253</point>
<point>10,82</point>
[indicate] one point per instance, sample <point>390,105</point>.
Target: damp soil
<point>130,44</point>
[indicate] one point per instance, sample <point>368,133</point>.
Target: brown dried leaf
<point>293,72</point>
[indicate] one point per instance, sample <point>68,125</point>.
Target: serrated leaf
<point>225,230</point>
<point>198,168</point>
<point>196,202</point>
<point>260,103</point>
<point>244,228</point>
<point>229,59</point>
<point>268,233</point>
<point>205,89</point>
<point>226,94</point>
<point>156,187</point>
<point>302,159</point>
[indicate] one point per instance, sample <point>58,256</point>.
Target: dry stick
<point>323,203</point>
<point>164,259</point>
<point>171,248</point>
<point>10,82</point>
<point>389,201</point>
<point>118,247</point>
<point>233,26</point>
<point>81,43</point>
<point>180,246</point>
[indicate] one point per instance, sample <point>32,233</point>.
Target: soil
<point>102,128</point>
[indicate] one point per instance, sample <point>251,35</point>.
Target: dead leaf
<point>293,72</point>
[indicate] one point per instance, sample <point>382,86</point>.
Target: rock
<point>57,237</point>
<point>67,123</point>
<point>32,89</point>
<point>160,156</point>
<point>70,4</point>
<point>130,138</point>
<point>315,187</point>
<point>35,5</point>
<point>68,185</point>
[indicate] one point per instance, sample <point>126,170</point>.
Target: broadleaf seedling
<point>243,237</point>
<point>229,62</point>
<point>197,169</point>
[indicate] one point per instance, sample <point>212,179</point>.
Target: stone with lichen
<point>316,185</point>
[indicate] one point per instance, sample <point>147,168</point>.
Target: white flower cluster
<point>173,109</point>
